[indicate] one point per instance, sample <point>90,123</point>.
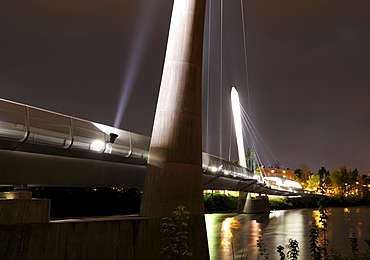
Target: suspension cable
<point>231,135</point>
<point>245,54</point>
<point>221,71</point>
<point>255,134</point>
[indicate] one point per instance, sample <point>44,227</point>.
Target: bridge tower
<point>174,171</point>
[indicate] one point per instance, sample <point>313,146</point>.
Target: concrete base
<point>16,211</point>
<point>124,238</point>
<point>16,195</point>
<point>251,206</point>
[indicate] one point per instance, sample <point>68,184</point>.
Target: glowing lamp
<point>97,145</point>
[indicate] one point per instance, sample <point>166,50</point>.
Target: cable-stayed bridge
<point>44,148</point>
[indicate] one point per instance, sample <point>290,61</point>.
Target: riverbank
<point>221,203</point>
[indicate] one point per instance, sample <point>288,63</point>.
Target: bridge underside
<point>43,170</point>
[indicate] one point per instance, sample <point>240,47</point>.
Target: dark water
<point>231,236</point>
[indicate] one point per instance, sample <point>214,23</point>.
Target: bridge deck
<point>44,148</point>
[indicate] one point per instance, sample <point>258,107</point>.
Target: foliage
<point>302,175</point>
<point>313,182</point>
<point>315,249</point>
<point>262,248</point>
<point>280,203</point>
<point>216,202</point>
<point>175,231</point>
<point>324,180</point>
<point>298,175</point>
<point>292,246</point>
<point>343,181</point>
<point>293,249</point>
<point>280,250</point>
<point>293,203</point>
<point>318,240</point>
<point>354,243</point>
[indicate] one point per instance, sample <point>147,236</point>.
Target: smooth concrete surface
<point>57,171</point>
<point>120,238</point>
<point>241,201</point>
<point>15,211</point>
<point>174,171</point>
<point>258,205</point>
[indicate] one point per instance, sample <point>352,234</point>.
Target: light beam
<point>137,51</point>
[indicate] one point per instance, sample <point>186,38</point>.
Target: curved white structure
<point>235,103</point>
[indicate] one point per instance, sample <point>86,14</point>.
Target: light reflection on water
<point>235,235</point>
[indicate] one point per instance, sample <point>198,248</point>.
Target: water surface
<point>231,236</point>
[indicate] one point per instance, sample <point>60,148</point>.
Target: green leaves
<point>262,248</point>
<point>175,231</point>
<point>293,249</point>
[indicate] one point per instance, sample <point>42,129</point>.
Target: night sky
<point>308,86</point>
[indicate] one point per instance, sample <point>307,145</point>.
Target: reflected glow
<point>227,232</point>
<point>97,145</point>
<point>238,126</point>
<point>108,148</point>
<point>275,214</point>
<point>316,215</point>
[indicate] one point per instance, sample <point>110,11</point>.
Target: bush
<point>216,202</point>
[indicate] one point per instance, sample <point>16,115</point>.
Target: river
<point>233,236</point>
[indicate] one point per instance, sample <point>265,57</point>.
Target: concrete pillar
<point>174,171</point>
<point>253,206</point>
<point>241,201</point>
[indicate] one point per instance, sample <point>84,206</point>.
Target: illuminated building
<point>286,173</point>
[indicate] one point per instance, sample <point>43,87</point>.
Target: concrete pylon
<point>174,171</point>
<point>253,206</point>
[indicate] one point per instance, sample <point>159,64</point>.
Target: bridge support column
<point>251,206</point>
<point>241,201</point>
<point>174,171</point>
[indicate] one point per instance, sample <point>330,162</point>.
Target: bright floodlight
<point>97,145</point>
<point>238,126</point>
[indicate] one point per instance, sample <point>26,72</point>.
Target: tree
<point>298,175</point>
<point>250,159</point>
<point>344,181</point>
<point>324,180</point>
<point>313,182</point>
<point>323,172</point>
<point>302,175</point>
